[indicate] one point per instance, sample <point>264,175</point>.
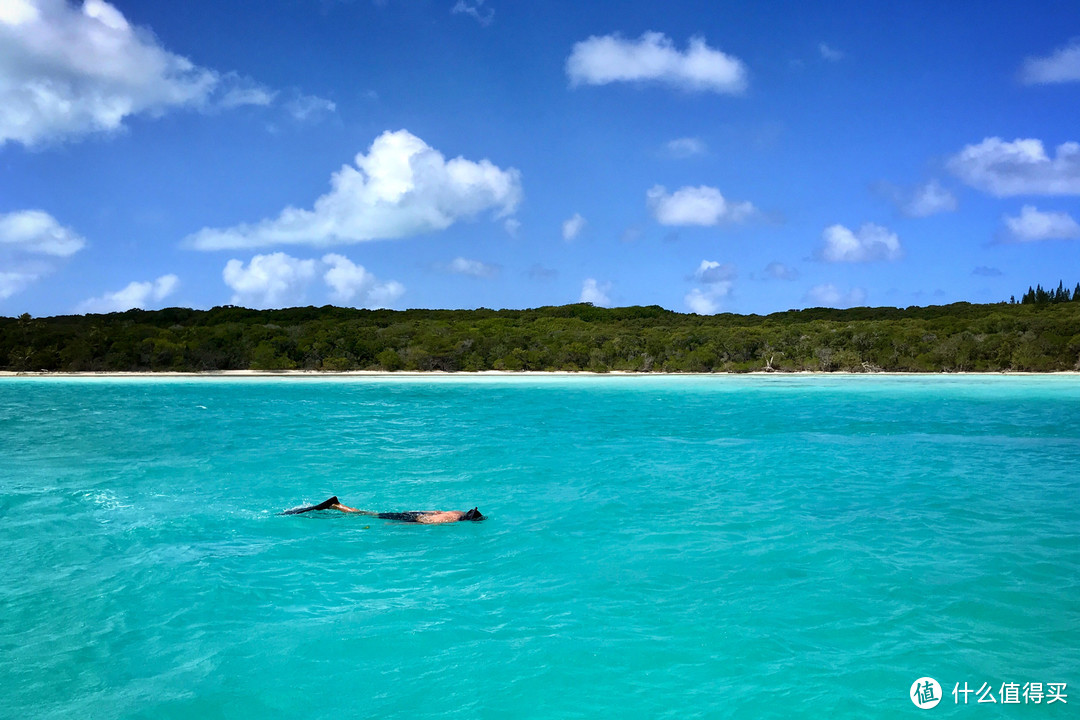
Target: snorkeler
<point>424,517</point>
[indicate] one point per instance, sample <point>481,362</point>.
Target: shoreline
<point>372,374</point>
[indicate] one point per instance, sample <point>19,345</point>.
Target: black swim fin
<point>324,505</point>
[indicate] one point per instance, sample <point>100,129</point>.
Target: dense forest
<point>1039,333</point>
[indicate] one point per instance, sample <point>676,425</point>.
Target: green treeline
<point>1036,295</point>
<point>1034,336</point>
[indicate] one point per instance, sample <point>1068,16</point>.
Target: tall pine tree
<point>1037,295</point>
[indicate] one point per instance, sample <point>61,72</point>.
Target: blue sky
<point>703,156</point>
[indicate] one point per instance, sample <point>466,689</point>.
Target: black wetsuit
<point>411,516</point>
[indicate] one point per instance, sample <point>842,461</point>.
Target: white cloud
<point>274,280</point>
<point>69,70</point>
<point>246,92</point>
<point>14,282</point>
<point>702,303</point>
<point>695,206</point>
<point>927,199</point>
<point>780,271</point>
<point>402,187</point>
<point>35,231</point>
<point>718,280</point>
<point>475,268</point>
<point>280,280</point>
<point>829,53</point>
<point>710,272</point>
<point>829,295</point>
<point>572,227</point>
<point>476,9</point>
<point>1063,65</point>
<point>685,147</point>
<point>653,57</point>
<point>1032,225</point>
<point>1021,167</point>
<point>595,293</point>
<point>385,294</point>
<point>17,12</point>
<point>512,225</point>
<point>135,295</point>
<point>31,242</point>
<point>872,242</point>
<point>347,281</point>
<point>309,107</point>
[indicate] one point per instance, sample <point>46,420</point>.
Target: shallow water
<point>657,547</point>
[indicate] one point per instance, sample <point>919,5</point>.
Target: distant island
<point>1040,333</point>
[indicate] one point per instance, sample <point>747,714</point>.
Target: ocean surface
<point>657,547</point>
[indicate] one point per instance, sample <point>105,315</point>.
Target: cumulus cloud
<point>1063,65</point>
<point>1021,167</point>
<point>695,206</point>
<point>401,187</point>
<point>711,272</point>
<point>15,282</point>
<point>829,53</point>
<point>718,279</point>
<point>71,70</point>
<point>924,200</point>
<point>36,231</point>
<point>829,295</point>
<point>701,302</point>
<point>475,9</point>
<point>572,227</point>
<point>31,243</point>
<point>280,280</point>
<point>652,57</point>
<point>685,147</point>
<point>511,226</point>
<point>871,242</point>
<point>595,293</point>
<point>351,284</point>
<point>780,271</point>
<point>274,280</point>
<point>474,268</point>
<point>1033,225</point>
<point>135,295</point>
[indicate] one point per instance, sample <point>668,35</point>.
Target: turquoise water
<point>657,547</point>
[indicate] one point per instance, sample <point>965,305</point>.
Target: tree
<point>266,357</point>
<point>389,360</point>
<point>1034,334</point>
